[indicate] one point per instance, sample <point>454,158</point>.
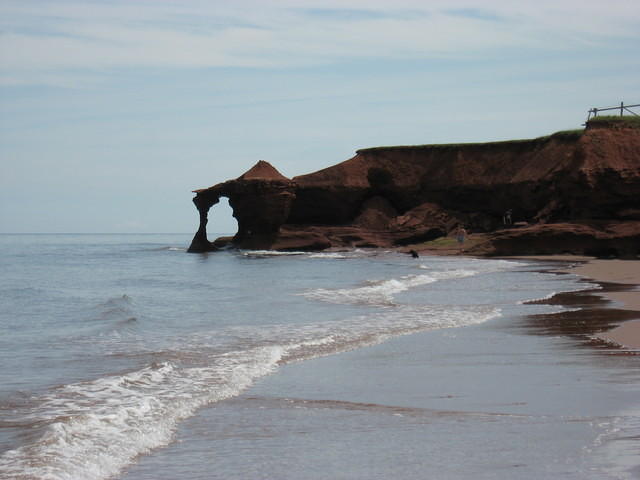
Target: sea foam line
<point>320,255</point>
<point>382,292</point>
<point>549,296</point>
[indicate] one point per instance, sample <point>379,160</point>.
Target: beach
<point>624,272</point>
<point>619,280</point>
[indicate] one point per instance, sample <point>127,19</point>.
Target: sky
<point>113,111</point>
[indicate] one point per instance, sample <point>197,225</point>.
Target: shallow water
<point>127,358</point>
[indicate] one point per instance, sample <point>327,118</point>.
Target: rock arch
<point>261,201</point>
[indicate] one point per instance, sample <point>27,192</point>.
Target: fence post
<point>621,109</point>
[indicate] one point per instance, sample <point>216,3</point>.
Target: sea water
<point>125,357</point>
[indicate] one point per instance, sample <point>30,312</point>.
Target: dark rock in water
<point>576,192</point>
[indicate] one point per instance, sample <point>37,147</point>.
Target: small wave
<point>536,300</point>
<point>115,310</point>
<point>575,289</point>
<point>118,301</point>
<point>271,253</point>
<point>168,248</point>
<point>315,255</point>
<point>382,292</point>
<point>369,330</point>
<point>127,321</point>
<point>330,255</point>
<point>114,319</point>
<point>402,411</point>
<point>508,264</point>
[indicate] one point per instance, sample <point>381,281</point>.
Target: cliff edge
<point>570,192</point>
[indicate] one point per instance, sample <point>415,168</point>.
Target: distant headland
<point>572,192</point>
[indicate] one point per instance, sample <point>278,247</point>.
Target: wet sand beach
<point>623,278</point>
<point>609,313</point>
<point>625,272</point>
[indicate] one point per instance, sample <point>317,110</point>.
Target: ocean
<point>124,357</point>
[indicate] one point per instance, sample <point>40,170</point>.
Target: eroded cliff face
<point>388,196</point>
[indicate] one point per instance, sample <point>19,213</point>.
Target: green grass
<point>567,134</point>
<point>440,242</point>
<point>628,121</point>
<point>564,135</point>
<point>448,244</point>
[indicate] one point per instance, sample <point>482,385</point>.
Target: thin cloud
<point>475,13</point>
<point>358,15</point>
<point>41,40</point>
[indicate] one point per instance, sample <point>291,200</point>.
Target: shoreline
<point>625,272</point>
<point>620,281</point>
<point>619,293</point>
<point>620,272</point>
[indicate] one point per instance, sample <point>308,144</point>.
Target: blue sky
<point>111,112</point>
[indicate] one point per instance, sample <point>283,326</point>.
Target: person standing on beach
<point>461,234</point>
<point>506,219</point>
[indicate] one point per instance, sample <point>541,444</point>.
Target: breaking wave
<point>92,430</point>
<point>382,292</point>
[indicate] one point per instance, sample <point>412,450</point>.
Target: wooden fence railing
<point>622,108</point>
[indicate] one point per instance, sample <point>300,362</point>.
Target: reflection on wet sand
<point>588,314</point>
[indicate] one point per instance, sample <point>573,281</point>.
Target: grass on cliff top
<point>564,135</point>
<point>449,243</point>
<point>628,121</point>
<point>442,242</point>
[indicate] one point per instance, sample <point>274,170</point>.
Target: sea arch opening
<point>222,223</point>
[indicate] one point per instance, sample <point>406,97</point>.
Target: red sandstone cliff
<point>578,191</point>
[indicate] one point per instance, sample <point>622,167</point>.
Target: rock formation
<point>576,192</point>
<point>261,201</point>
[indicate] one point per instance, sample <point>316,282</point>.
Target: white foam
<point>577,288</point>
<point>368,330</point>
<point>382,292</point>
<point>329,255</point>
<point>538,299</point>
<point>94,429</point>
<point>271,253</point>
<point>321,255</point>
